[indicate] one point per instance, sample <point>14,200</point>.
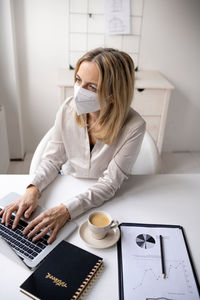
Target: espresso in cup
<point>99,219</point>
<point>100,223</point>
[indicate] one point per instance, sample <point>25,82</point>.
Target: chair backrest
<point>37,156</point>
<point>148,160</point>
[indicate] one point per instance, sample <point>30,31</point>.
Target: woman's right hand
<point>26,204</point>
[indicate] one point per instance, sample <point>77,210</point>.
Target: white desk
<point>162,199</point>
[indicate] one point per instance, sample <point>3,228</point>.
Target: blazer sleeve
<point>53,158</point>
<point>117,171</point>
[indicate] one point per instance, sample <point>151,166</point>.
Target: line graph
<point>160,298</point>
<point>173,269</point>
<point>157,277</point>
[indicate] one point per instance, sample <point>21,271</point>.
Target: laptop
<point>31,253</point>
<point>9,252</point>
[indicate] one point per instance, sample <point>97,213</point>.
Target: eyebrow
<point>90,82</point>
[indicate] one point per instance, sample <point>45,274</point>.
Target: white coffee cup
<point>100,223</point>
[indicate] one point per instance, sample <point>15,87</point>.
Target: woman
<point>96,135</point>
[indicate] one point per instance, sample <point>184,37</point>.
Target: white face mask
<point>85,101</point>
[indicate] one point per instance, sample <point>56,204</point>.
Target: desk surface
<point>161,199</point>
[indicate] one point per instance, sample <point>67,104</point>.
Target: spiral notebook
<point>65,274</point>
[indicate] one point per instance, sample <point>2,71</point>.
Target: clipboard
<point>139,263</point>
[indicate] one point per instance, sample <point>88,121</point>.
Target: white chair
<point>148,160</point>
<point>39,151</point>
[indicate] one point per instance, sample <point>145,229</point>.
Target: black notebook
<point>64,274</point>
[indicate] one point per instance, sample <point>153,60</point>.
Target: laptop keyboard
<point>21,243</point>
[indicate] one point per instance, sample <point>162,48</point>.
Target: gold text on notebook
<point>56,281</point>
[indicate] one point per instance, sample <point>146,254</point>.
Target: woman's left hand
<point>50,220</point>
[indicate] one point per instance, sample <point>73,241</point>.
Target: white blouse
<point>69,151</point>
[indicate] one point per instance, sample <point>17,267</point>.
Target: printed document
<point>117,16</point>
<point>141,264</point>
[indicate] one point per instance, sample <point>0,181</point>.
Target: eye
<point>93,88</point>
<point>78,80</point>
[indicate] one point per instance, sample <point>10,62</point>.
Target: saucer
<point>110,239</point>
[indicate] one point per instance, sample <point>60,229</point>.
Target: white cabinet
<point>151,99</point>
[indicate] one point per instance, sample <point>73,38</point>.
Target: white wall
<point>41,31</point>
<point>171,44</point>
<point>9,81</point>
<point>90,30</point>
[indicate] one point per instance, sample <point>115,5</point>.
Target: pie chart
<point>145,241</point>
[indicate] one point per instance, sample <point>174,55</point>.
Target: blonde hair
<point>115,90</point>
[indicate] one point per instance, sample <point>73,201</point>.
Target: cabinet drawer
<point>152,126</point>
<point>148,102</point>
